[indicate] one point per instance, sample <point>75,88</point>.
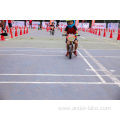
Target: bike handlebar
<point>67,35</point>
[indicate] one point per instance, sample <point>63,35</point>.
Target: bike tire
<point>52,33</point>
<point>70,51</point>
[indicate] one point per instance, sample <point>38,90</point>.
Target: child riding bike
<point>52,26</point>
<point>71,29</point>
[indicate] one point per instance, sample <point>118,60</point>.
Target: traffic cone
<point>34,27</point>
<point>95,32</point>
<point>21,31</point>
<point>106,29</point>
<point>118,38</point>
<point>92,30</point>
<point>99,33</point>
<point>104,35</point>
<point>61,29</point>
<point>111,35</point>
<point>47,29</point>
<point>16,34</point>
<point>2,37</point>
<point>11,35</point>
<point>7,29</point>
<point>113,30</point>
<point>27,30</point>
<point>24,31</point>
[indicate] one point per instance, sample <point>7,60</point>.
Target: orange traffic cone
<point>2,37</point>
<point>87,30</point>
<point>11,35</point>
<point>16,34</point>
<point>47,29</point>
<point>95,32</point>
<point>61,29</point>
<point>27,30</point>
<point>118,38</point>
<point>7,29</point>
<point>24,31</point>
<point>106,29</point>
<point>99,33</point>
<point>113,30</point>
<point>104,35</point>
<point>111,35</point>
<point>21,31</point>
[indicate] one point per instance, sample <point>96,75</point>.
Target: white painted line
<point>33,55</point>
<point>31,48</point>
<point>86,83</point>
<point>50,75</point>
<point>75,75</point>
<point>105,56</point>
<point>95,69</point>
<point>107,72</point>
<point>92,68</point>
<point>101,70</point>
<point>112,71</point>
<point>58,55</point>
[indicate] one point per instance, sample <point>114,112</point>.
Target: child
<point>52,26</point>
<point>71,29</point>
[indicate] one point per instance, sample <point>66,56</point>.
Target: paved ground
<point>34,67</point>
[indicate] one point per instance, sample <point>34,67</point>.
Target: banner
<point>62,24</point>
<point>44,24</point>
<point>76,22</point>
<point>113,26</point>
<point>34,24</point>
<point>99,26</point>
<point>16,23</point>
<point>83,25</point>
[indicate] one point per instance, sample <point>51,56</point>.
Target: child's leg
<point>67,43</point>
<point>76,44</point>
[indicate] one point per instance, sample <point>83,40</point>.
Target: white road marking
<point>75,75</point>
<point>49,75</point>
<point>112,71</point>
<point>92,68</point>
<point>101,70</point>
<point>13,82</point>
<point>107,72</point>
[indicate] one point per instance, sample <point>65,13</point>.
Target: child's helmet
<point>70,26</point>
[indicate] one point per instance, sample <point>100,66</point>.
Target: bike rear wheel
<point>52,33</point>
<point>70,51</point>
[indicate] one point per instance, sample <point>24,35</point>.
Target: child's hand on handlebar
<point>64,33</point>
